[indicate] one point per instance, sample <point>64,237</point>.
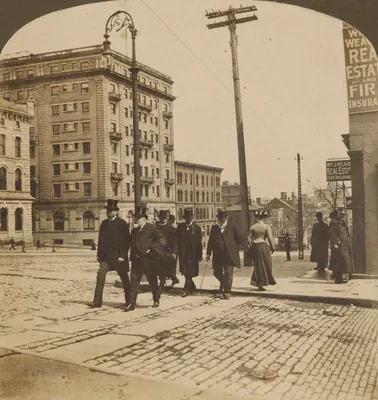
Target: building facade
<point>199,187</point>
<point>84,130</point>
<point>231,194</point>
<point>15,198</point>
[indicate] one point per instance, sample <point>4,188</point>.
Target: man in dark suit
<point>167,269</point>
<point>143,238</point>
<point>189,245</point>
<point>223,244</point>
<point>113,246</point>
<point>319,244</point>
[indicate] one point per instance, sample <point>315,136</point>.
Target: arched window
<point>197,196</point>
<point>59,221</point>
<point>3,219</point>
<point>18,180</point>
<point>203,180</point>
<point>207,213</point>
<point>186,196</point>
<point>211,181</point>
<point>203,197</point>
<point>207,197</point>
<point>2,145</point>
<point>18,126</point>
<point>88,221</point>
<point>17,146</point>
<point>191,179</point>
<point>212,197</point>
<point>212,213</point>
<point>3,179</point>
<point>178,177</point>
<point>191,195</point>
<point>197,180</point>
<point>207,181</point>
<point>18,219</point>
<point>186,178</point>
<point>2,122</point>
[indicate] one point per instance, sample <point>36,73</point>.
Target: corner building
<point>83,130</point>
<point>199,187</point>
<point>15,198</point>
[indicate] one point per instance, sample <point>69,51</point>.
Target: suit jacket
<point>142,241</point>
<point>113,243</point>
<point>170,234</point>
<point>189,248</point>
<point>231,242</point>
<point>319,242</point>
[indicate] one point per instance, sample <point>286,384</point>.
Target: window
<point>157,191</point>
<point>6,76</point>
<point>207,181</point>
<point>127,169</point>
<point>157,156</point>
<point>17,146</point>
<point>167,157</point>
<point>18,219</point>
<point>115,188</point>
<point>56,149</point>
<point>146,154</point>
<point>211,181</point>
<point>166,124</point>
<point>113,127</point>
<point>30,72</point>
<point>212,197</point>
<point>140,116</point>
<point>71,146</point>
<point>128,189</point>
<point>54,90</point>
<point>85,107</point>
<point>3,179</point>
<point>6,96</point>
<point>191,179</point>
<point>20,74</point>
<point>165,89</point>
<point>56,130</point>
<point>157,173</point>
<point>86,127</point>
<point>59,221</point>
<point>88,221</point>
<point>127,150</point>
<point>86,147</point>
<point>84,87</point>
<point>84,65</point>
<point>114,167</point>
<point>54,69</point>
<point>207,197</point>
<point>57,190</point>
<point>203,180</point>
<point>87,168</point>
<point>167,173</point>
<point>18,125</point>
<point>186,178</point>
<point>70,127</point>
<point>126,130</point>
<point>146,191</point>
<point>156,121</point>
<point>197,197</point>
<point>114,147</point>
<point>218,197</point>
<point>191,196</point>
<point>144,117</point>
<point>32,151</point>
<point>126,112</point>
<point>203,197</point>
<point>197,180</point>
<point>156,104</point>
<point>145,171</point>
<point>30,94</point>
<point>87,189</point>
<point>3,219</point>
<point>56,169</point>
<point>112,88</point>
<point>55,110</point>
<point>186,196</point>
<point>113,108</point>
<point>167,192</point>
<point>2,144</point>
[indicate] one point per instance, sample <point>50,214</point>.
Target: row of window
<point>142,79</point>
<point>70,107</point>
<point>17,179</point>
<point>3,147</point>
<point>73,87</point>
<point>144,153</point>
<point>142,116</point>
<point>185,178</point>
<point>72,166</point>
<point>16,125</point>
<point>200,213</point>
<point>84,127</point>
<point>18,219</point>
<point>185,196</point>
<point>72,187</point>
<point>58,148</point>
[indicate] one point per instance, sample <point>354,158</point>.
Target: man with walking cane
<point>189,247</point>
<point>223,244</point>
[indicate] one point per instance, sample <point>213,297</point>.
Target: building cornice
<point>194,165</point>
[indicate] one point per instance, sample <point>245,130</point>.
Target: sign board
<point>348,203</point>
<point>338,170</point>
<point>361,71</point>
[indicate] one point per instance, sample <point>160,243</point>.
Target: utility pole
<point>300,210</point>
<point>231,22</point>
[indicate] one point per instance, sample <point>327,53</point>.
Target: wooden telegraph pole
<point>231,22</point>
<point>300,210</point>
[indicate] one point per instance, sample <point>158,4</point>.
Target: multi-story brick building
<point>231,194</point>
<point>199,187</point>
<point>83,123</point>
<point>15,198</point>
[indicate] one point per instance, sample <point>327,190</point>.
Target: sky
<point>292,74</point>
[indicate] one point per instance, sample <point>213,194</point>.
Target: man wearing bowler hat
<point>167,269</point>
<point>143,238</point>
<point>223,245</point>
<point>113,246</point>
<point>189,244</point>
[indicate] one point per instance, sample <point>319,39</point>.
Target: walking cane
<point>203,277</point>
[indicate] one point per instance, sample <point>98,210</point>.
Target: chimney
<point>284,196</point>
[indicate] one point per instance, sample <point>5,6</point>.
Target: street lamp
<point>117,21</point>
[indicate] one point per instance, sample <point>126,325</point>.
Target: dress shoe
<point>184,294</point>
<point>156,304</point>
<point>94,305</point>
<point>175,281</point>
<point>226,296</point>
<point>129,307</point>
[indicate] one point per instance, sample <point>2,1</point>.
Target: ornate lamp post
<point>117,21</point>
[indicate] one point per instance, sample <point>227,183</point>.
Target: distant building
<point>283,218</point>
<point>15,198</point>
<point>199,187</point>
<point>234,215</point>
<point>231,194</point>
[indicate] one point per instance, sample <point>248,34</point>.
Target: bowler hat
<point>112,205</point>
<point>163,214</point>
<point>188,212</point>
<point>262,213</point>
<point>221,214</point>
<point>140,211</point>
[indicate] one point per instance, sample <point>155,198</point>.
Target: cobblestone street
<point>272,348</point>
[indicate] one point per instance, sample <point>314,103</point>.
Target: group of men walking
<point>155,247</point>
<point>336,236</point>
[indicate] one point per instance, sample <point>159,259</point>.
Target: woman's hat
<point>262,213</point>
<point>112,205</point>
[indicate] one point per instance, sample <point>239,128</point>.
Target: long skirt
<point>262,261</point>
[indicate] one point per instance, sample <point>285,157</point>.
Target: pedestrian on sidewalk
<point>167,269</point>
<point>189,245</point>
<point>288,247</point>
<point>341,243</point>
<point>261,250</point>
<point>172,220</point>
<point>331,228</point>
<point>112,252</point>
<point>38,244</point>
<point>319,243</point>
<point>143,262</point>
<point>12,244</point>
<point>223,245</point>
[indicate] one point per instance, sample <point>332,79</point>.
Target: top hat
<point>112,205</point>
<point>188,212</point>
<point>140,211</point>
<point>221,214</point>
<point>262,214</point>
<point>163,214</point>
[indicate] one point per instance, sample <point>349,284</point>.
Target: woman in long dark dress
<point>259,234</point>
